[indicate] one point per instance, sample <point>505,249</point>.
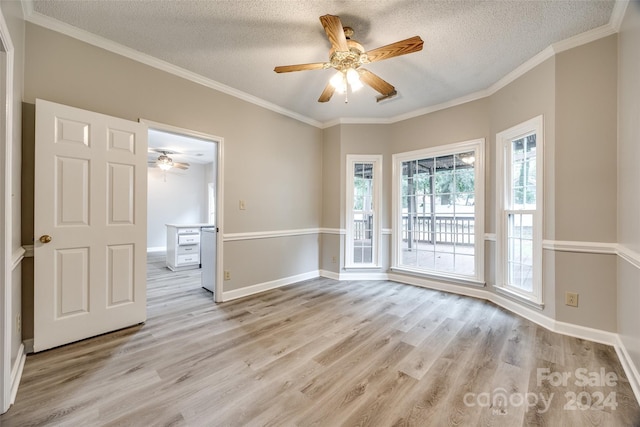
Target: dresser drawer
<point>188,259</point>
<point>188,249</point>
<point>188,231</point>
<point>188,239</point>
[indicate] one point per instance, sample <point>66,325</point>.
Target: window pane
<point>426,260</point>
<point>520,250</point>
<point>465,264</point>
<point>438,213</point>
<point>444,262</point>
<point>515,274</point>
<point>357,255</point>
<point>519,245</point>
<point>362,216</point>
<point>523,173</point>
<point>527,278</point>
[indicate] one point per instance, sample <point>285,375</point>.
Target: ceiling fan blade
<point>385,88</point>
<point>335,32</point>
<point>181,165</point>
<point>414,44</point>
<point>327,93</point>
<point>299,67</point>
<point>161,151</point>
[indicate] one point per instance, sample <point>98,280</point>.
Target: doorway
<point>183,205</point>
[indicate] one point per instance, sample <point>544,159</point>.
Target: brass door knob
<point>45,238</point>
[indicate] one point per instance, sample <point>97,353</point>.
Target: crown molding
<point>442,106</point>
<point>106,44</point>
<point>584,38</point>
<point>547,53</point>
<point>617,14</point>
<point>612,27</point>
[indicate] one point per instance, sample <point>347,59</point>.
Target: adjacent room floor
<point>323,352</point>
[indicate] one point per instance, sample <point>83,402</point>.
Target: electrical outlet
<point>334,259</point>
<point>227,275</point>
<point>19,323</point>
<point>571,299</point>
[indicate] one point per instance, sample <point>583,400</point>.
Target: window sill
<point>519,298</point>
<point>457,280</point>
<point>362,267</point>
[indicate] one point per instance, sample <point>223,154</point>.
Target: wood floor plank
<point>320,352</point>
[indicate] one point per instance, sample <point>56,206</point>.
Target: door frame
<point>7,387</point>
<point>219,176</point>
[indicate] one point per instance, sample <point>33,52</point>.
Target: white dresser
<point>183,246</point>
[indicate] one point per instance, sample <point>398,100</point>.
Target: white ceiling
<point>181,148</point>
<point>468,45</point>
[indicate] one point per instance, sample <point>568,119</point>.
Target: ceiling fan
<point>347,56</point>
<point>165,162</point>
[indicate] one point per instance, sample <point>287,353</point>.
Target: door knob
<point>45,238</point>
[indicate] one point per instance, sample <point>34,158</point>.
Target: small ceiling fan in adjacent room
<point>347,56</point>
<point>165,162</point>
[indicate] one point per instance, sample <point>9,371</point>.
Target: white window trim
<point>478,146</point>
<point>376,159</point>
<point>503,172</point>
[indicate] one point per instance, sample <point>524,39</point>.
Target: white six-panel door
<point>90,201</point>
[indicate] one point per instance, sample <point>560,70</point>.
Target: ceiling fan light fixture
<point>347,56</point>
<point>353,78</point>
<point>164,162</point>
<point>339,82</point>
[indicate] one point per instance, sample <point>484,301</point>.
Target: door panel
<point>121,275</point>
<point>90,198</point>
<point>121,194</point>
<point>72,175</point>
<point>72,282</point>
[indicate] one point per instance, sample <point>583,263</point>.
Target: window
<point>519,176</point>
<point>363,219</point>
<point>438,211</point>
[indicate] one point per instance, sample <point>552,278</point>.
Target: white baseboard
<point>424,282</point>
<point>536,316</point>
<point>629,367</point>
<point>157,249</point>
<point>28,346</point>
<point>261,287</point>
<point>330,274</point>
<point>16,372</point>
<point>531,314</point>
<point>363,275</point>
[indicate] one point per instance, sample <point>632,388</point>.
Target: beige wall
<point>529,96</point>
<point>259,261</point>
<point>456,124</point>
<point>271,161</point>
<point>28,175</point>
<point>292,175</point>
<point>585,180</point>
<point>370,139</point>
<point>12,13</point>
<point>587,111</point>
<point>585,154</point>
<point>628,162</point>
<point>331,256</point>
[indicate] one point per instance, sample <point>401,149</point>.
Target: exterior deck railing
<point>439,229</point>
<point>429,228</point>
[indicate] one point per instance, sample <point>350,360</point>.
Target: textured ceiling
<point>181,148</point>
<point>469,45</point>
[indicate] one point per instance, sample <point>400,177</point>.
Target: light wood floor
<point>320,352</point>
